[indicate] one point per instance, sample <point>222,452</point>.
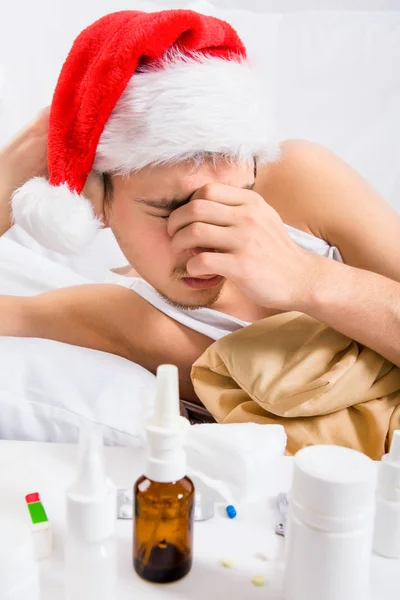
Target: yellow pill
<point>258,580</point>
<point>228,563</point>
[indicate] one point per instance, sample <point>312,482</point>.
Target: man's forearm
<point>362,305</point>
<point>17,318</point>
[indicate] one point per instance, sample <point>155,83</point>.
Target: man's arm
<point>110,318</point>
<point>362,305</point>
<point>314,190</point>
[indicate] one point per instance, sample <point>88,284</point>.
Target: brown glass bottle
<point>163,529</point>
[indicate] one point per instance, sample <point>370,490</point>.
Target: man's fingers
<point>43,116</point>
<point>200,211</point>
<point>203,235</point>
<point>210,263</point>
<point>225,194</point>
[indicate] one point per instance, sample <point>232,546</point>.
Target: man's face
<point>138,216</point>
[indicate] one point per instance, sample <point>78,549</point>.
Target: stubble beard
<point>178,274</point>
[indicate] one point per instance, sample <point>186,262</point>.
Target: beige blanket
<point>291,369</point>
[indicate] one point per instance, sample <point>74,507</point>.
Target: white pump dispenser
<point>90,553</point>
<point>166,457</point>
<point>387,516</point>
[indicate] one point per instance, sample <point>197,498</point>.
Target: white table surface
<point>48,468</point>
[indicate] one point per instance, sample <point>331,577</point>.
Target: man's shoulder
<point>297,153</point>
<point>297,184</point>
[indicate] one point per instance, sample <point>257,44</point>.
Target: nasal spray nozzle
<point>91,499</point>
<point>90,478</point>
<point>165,431</point>
<point>166,410</point>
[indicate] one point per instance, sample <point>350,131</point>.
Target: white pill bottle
<point>330,525</point>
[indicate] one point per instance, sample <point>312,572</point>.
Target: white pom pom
<point>55,216</point>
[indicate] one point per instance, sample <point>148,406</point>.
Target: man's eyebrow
<point>172,204</point>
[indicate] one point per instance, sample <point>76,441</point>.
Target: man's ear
<point>105,213</point>
<point>105,219</point>
<point>94,191</point>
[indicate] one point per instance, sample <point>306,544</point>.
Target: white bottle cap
<point>92,498</point>
<point>166,457</point>
<point>332,482</point>
<point>389,471</point>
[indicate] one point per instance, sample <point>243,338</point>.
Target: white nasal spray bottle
<point>90,552</point>
<point>164,495</point>
<point>387,516</point>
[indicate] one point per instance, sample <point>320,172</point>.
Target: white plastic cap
<point>92,498</point>
<point>166,457</point>
<point>389,471</point>
<point>333,482</point>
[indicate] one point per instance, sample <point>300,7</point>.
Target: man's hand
<point>236,234</point>
<point>25,157</point>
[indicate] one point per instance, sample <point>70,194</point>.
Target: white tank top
<point>208,321</point>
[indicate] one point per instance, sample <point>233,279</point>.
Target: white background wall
<point>35,36</point>
<point>333,76</point>
<point>299,5</point>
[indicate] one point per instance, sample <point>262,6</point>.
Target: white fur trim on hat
<point>55,216</point>
<point>186,107</point>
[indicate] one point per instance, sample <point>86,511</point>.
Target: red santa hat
<point>141,89</point>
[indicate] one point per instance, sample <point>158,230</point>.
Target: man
<point>200,216</point>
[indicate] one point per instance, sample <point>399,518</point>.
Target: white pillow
<point>90,266</point>
<point>48,389</point>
